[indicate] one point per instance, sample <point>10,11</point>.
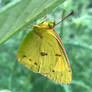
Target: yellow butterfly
<point>43,52</point>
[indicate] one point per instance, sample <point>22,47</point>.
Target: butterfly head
<point>51,24</point>
<point>44,25</point>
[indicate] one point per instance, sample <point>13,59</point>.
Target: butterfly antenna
<point>72,12</point>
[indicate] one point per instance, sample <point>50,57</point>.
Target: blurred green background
<point>76,34</point>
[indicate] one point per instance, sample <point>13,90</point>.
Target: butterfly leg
<point>44,18</point>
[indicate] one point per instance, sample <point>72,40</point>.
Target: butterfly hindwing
<point>62,72</point>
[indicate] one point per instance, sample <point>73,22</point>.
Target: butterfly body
<point>42,51</point>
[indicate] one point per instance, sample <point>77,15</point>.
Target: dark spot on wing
<point>24,56</point>
<point>53,71</point>
<point>58,55</point>
<point>35,63</point>
<point>43,53</point>
<point>30,59</point>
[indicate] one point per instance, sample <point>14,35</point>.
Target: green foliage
<point>77,38</point>
<point>20,14</point>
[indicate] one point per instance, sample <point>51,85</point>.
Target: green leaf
<point>19,14</point>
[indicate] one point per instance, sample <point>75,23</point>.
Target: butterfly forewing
<point>39,54</point>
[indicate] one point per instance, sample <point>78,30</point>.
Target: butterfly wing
<point>42,52</point>
<point>62,72</point>
<point>38,53</point>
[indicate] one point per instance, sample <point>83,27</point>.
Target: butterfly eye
<point>51,24</point>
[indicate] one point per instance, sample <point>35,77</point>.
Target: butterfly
<point>42,51</point>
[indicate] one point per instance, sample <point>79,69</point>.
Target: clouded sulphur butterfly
<point>43,52</point>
